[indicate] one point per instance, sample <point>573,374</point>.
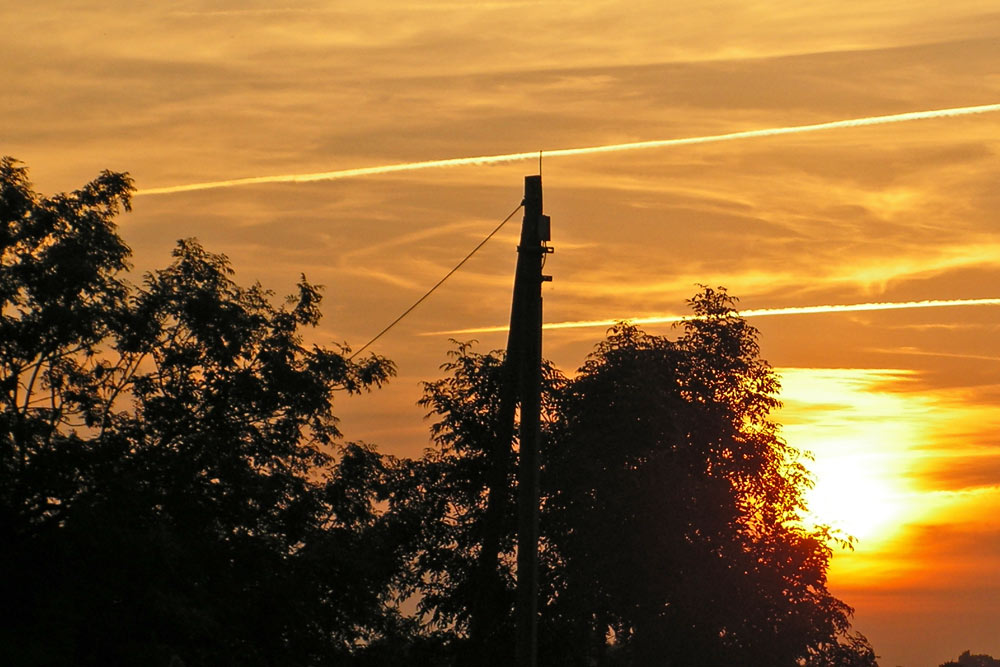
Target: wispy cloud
<point>568,152</point>
<point>755,312</point>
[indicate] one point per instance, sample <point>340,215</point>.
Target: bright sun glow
<point>855,496</point>
<point>862,438</point>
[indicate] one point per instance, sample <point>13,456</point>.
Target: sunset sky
<point>899,406</point>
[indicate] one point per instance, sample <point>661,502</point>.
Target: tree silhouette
<point>675,507</point>
<point>968,659</point>
<point>173,489</point>
<point>441,500</point>
<point>171,483</point>
<point>671,508</point>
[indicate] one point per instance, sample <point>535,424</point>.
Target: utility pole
<point>526,315</point>
<point>521,385</point>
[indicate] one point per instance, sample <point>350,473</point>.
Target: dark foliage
<point>171,487</point>
<point>969,659</point>
<point>671,508</point>
<point>441,500</point>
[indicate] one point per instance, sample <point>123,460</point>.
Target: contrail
<point>757,312</point>
<point>566,152</point>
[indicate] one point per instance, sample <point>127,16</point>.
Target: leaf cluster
<point>171,480</point>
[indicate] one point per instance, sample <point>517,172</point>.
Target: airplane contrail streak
<point>757,312</point>
<point>566,152</point>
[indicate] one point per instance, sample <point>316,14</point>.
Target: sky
<point>898,406</point>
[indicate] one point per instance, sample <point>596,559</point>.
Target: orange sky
<point>898,406</point>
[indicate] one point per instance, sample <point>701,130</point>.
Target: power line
<point>439,283</point>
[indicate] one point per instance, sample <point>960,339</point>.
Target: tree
<point>969,659</point>
<point>671,509</point>
<point>444,500</point>
<point>675,508</point>
<point>172,480</point>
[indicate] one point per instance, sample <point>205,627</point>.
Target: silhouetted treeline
<point>968,659</point>
<point>174,489</point>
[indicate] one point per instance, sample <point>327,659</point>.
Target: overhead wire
<point>439,283</point>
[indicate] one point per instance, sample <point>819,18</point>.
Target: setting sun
<point>856,497</point>
<point>860,444</point>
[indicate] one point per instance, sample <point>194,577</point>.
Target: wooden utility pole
<point>521,385</point>
<point>526,316</point>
